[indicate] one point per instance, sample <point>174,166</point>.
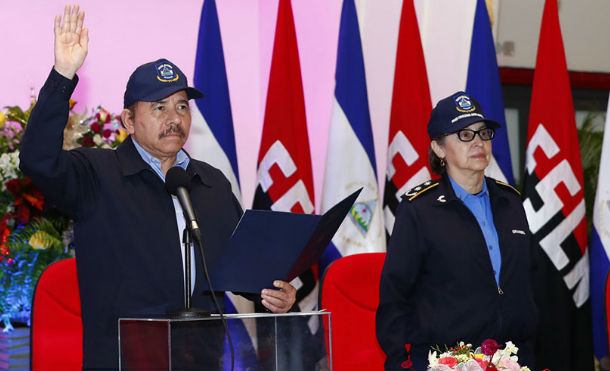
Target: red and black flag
<point>408,142</point>
<point>285,181</point>
<point>555,207</point>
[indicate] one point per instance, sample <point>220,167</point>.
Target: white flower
<point>446,354</point>
<point>9,165</point>
<point>432,359</point>
<point>462,357</point>
<point>97,139</point>
<point>470,365</point>
<point>510,348</point>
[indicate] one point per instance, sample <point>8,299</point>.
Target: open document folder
<point>271,245</point>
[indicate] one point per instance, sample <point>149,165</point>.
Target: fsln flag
<point>350,160</point>
<point>600,252</point>
<point>212,121</point>
<point>285,181</point>
<point>213,124</point>
<point>483,82</point>
<point>555,207</point>
<point>407,164</point>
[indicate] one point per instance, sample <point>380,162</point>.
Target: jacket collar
<point>446,194</point>
<point>132,163</point>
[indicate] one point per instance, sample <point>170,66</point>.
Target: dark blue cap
<point>456,112</point>
<point>157,80</point>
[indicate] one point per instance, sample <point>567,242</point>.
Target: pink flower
<point>109,126</point>
<point>489,347</point>
<point>509,364</point>
<point>449,361</point>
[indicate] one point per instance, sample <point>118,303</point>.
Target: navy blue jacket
<point>437,283</point>
<point>125,232</point>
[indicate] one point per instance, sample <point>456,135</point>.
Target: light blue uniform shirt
<point>480,207</point>
<point>182,160</point>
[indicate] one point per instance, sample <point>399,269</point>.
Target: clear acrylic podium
<point>260,341</point>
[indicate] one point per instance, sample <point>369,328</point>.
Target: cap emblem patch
<point>165,73</point>
<point>464,104</point>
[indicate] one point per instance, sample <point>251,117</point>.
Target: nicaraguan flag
<point>600,251</point>
<point>483,82</point>
<point>350,160</point>
<point>213,141</point>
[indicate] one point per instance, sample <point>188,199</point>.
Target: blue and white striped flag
<point>483,82</point>
<point>599,249</point>
<point>212,122</point>
<point>350,160</point>
<point>212,128</point>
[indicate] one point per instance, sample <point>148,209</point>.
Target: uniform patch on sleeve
<point>416,191</point>
<point>509,187</point>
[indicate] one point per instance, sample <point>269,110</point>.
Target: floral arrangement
<point>104,130</point>
<point>33,234</point>
<point>488,357</point>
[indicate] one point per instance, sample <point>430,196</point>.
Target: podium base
<point>188,313</point>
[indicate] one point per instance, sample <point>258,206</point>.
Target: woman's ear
<point>439,151</point>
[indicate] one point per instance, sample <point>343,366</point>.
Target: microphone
<point>178,183</point>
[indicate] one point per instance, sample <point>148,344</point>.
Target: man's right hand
<point>71,41</point>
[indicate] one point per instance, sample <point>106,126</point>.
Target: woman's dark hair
<point>435,161</point>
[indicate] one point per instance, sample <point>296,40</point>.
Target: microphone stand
<point>188,312</point>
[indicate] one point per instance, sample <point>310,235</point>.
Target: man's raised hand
<point>71,41</point>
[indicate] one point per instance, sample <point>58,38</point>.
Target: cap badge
<point>165,72</point>
<point>463,103</point>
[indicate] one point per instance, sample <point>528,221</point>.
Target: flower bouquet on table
<point>488,357</point>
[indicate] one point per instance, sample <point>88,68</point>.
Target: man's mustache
<point>172,129</point>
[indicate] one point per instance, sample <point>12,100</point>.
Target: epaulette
<point>420,189</point>
<point>508,186</point>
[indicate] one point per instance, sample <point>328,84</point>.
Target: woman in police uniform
<point>458,262</point>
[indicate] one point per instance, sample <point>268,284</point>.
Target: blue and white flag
<point>483,82</point>
<point>213,141</point>
<point>599,250</point>
<point>212,121</point>
<point>350,160</point>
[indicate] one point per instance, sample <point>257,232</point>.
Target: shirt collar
<point>182,159</point>
<point>462,194</point>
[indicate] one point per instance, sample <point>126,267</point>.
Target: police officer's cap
<point>456,112</point>
<point>157,80</point>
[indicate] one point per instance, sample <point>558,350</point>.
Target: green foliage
<point>15,113</point>
<point>33,248</point>
<point>590,151</point>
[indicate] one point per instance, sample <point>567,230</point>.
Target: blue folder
<point>270,245</point>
